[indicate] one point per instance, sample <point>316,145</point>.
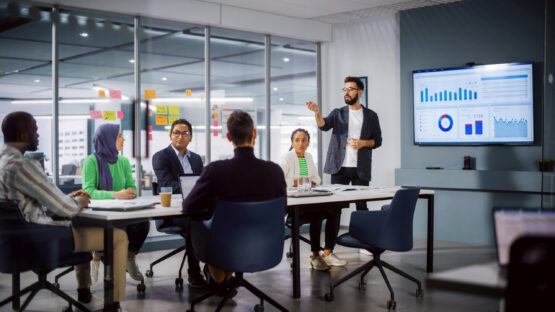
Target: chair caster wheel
<point>149,273</point>
<point>362,286</point>
<point>141,288</point>
<point>419,293</point>
<point>329,297</point>
<point>57,285</point>
<point>391,305</point>
<point>258,308</point>
<point>289,255</point>
<point>179,283</point>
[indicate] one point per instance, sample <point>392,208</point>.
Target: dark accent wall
<point>451,35</point>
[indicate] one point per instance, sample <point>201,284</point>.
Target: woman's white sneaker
<point>317,263</point>
<point>333,260</point>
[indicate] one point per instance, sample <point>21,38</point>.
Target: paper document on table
<point>340,187</point>
<point>122,205</point>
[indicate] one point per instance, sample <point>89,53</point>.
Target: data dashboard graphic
<point>486,104</point>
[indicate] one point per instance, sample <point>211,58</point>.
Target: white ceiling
<point>331,11</point>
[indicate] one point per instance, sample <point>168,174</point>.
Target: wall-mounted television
<point>483,104</point>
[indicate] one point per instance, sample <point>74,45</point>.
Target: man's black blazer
<point>167,168</point>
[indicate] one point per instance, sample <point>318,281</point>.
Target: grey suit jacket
<point>338,120</point>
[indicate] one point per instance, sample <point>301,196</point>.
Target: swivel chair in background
<point>241,237</point>
<point>33,247</point>
<point>378,231</point>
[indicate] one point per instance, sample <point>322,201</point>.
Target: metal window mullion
<point>55,102</point>
<point>319,99</point>
<point>137,108</point>
<point>267,113</point>
<point>207,89</point>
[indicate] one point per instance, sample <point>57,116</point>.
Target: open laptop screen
<point>512,224</point>
<point>187,183</point>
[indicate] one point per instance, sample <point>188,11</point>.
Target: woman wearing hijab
<point>108,175</point>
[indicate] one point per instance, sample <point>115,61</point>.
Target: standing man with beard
<point>356,131</point>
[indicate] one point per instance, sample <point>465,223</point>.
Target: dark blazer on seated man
<point>167,167</point>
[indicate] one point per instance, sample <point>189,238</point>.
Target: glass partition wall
<point>109,68</point>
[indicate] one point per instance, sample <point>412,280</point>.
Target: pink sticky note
<point>149,128</point>
<point>215,123</point>
<point>215,132</point>
<point>96,114</point>
<point>115,94</point>
<point>120,114</point>
<point>150,136</point>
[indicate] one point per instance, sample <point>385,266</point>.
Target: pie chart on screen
<point>445,123</point>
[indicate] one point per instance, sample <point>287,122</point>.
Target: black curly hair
<point>299,130</point>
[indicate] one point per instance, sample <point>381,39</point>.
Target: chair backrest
<point>395,225</point>
<point>242,236</point>
<point>69,169</point>
<point>531,277</point>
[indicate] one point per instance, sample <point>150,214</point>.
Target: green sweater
<point>122,177</point>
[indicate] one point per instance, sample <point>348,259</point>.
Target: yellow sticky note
<point>174,110</point>
<point>162,120</point>
<point>109,115</point>
<point>172,119</point>
<point>150,94</point>
<point>216,115</point>
<point>188,92</point>
<point>101,93</point>
<point>161,110</point>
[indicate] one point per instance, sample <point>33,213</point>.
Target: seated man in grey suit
<point>242,178</point>
<point>168,164</point>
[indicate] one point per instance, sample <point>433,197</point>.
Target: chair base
<point>42,283</point>
<point>236,282</point>
<point>391,304</point>
<point>179,279</point>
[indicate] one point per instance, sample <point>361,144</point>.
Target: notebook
<point>122,205</point>
<point>512,224</point>
<point>187,182</point>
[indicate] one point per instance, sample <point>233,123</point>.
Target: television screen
<point>485,104</point>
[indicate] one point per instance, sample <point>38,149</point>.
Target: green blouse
<point>122,177</point>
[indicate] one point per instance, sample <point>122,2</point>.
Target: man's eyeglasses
<point>349,89</point>
<point>182,134</point>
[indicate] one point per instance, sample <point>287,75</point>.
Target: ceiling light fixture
<point>275,88</point>
<point>281,99</point>
<point>164,78</point>
<point>64,101</point>
<point>84,34</point>
<point>132,61</point>
<point>286,59</point>
<point>37,80</point>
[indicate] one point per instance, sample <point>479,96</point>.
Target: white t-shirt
<point>355,127</point>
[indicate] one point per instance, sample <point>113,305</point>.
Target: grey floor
<point>161,295</point>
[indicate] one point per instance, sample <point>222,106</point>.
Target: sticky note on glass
<point>120,114</point>
<point>188,92</point>
<point>215,123</point>
<point>101,93</point>
<point>150,136</point>
<point>109,115</point>
<point>162,120</point>
<point>149,128</point>
<point>172,119</point>
<point>115,94</point>
<point>161,110</point>
<point>174,110</point>
<point>150,94</point>
<point>216,115</point>
<point>96,114</point>
<point>215,133</point>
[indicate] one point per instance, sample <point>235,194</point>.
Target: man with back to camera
<point>23,180</point>
<point>356,131</point>
<point>241,178</point>
<point>168,164</point>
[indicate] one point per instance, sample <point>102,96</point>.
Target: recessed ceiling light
<point>84,34</point>
<point>132,61</point>
<point>164,78</point>
<point>37,81</point>
<point>275,88</point>
<point>286,59</point>
<point>281,99</point>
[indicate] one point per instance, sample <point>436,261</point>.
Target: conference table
<point>108,220</point>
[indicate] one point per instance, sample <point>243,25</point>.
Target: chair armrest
<point>366,224</point>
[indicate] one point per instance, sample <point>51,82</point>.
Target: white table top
<point>175,209</point>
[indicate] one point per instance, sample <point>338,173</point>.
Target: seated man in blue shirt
<point>168,164</point>
<point>242,178</point>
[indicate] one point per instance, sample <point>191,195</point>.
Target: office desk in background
<point>340,200</point>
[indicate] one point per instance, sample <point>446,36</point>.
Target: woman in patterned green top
<point>298,163</point>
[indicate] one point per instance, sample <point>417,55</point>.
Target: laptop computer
<point>187,182</point>
<point>510,224</point>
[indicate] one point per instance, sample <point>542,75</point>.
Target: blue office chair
<point>241,237</point>
<point>168,227</point>
<point>41,248</point>
<point>378,231</point>
<point>530,274</point>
